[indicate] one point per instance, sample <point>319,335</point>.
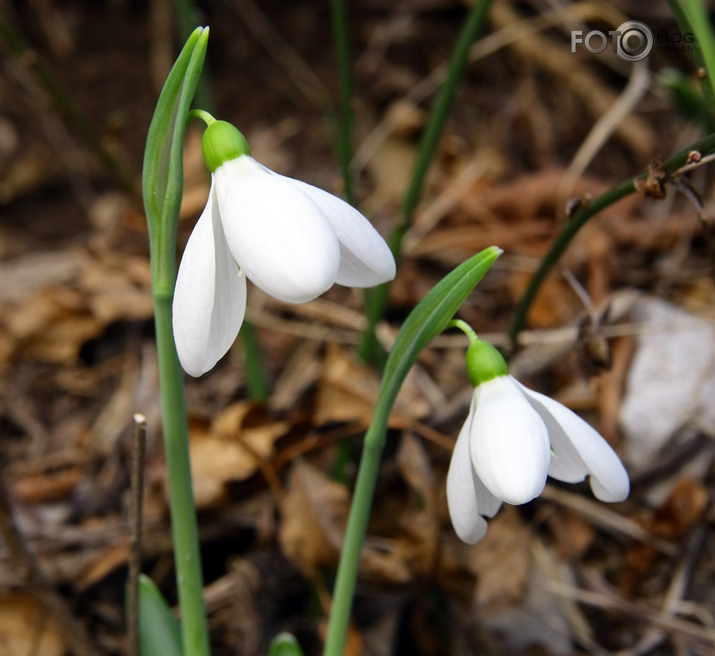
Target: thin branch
<point>135,523</point>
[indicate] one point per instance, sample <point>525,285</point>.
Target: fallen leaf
<point>231,449</point>
<point>314,512</point>
<point>26,628</point>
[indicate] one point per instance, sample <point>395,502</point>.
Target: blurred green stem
<point>181,498</point>
<point>345,108</point>
<point>692,17</point>
<point>68,109</point>
<point>580,218</point>
<point>369,348</point>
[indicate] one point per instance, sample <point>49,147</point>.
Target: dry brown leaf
<point>500,563</point>
<point>419,536</point>
<point>314,512</point>
<point>348,391</point>
<point>45,487</point>
<point>555,304</point>
<point>26,628</point>
<point>107,561</point>
<point>233,448</point>
<point>677,515</point>
<point>52,325</point>
<point>118,288</point>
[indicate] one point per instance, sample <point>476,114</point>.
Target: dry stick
<point>676,591</point>
<point>135,524</point>
<point>73,632</point>
<point>602,130</point>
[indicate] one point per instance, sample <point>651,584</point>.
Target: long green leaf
<point>163,178</point>
<point>429,318</point>
<point>159,632</point>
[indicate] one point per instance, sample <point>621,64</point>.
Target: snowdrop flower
<point>512,439</point>
<point>291,239</point>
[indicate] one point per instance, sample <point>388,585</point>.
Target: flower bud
<point>221,143</point>
<point>484,363</point>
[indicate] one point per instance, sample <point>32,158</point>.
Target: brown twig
<point>135,523</point>
<point>29,573</point>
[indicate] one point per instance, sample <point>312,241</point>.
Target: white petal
<point>365,258</point>
<point>469,525</point>
<point>580,450</point>
<point>210,296</point>
<point>509,442</point>
<point>282,239</point>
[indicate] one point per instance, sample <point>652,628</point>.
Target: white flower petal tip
<point>509,444</point>
<point>504,453</point>
<point>292,240</point>
<point>365,258</point>
<point>209,298</point>
<point>580,451</point>
<point>469,502</point>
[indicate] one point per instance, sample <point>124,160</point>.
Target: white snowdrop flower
<point>289,238</point>
<point>512,439</point>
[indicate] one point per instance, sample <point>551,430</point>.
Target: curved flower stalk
<point>289,238</point>
<point>512,439</point>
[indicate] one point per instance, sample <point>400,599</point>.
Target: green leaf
<point>429,318</point>
<point>159,631</point>
<point>163,176</point>
<point>690,101</point>
<point>284,644</point>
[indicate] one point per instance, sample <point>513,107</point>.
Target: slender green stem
<point>425,322</point>
<point>369,346</point>
<point>345,108</point>
<point>465,328</point>
<point>375,300</point>
<point>442,108</point>
<point>354,535</point>
<point>691,17</point>
<point>181,499</point>
<point>581,217</point>
<point>202,115</point>
<point>256,382</point>
<point>70,111</point>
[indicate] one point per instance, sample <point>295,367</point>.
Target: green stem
<point>181,499</point>
<point>70,111</point>
<point>691,17</point>
<point>441,110</point>
<point>377,306</point>
<point>580,218</point>
<point>345,109</point>
<point>465,328</point>
<point>349,566</point>
<point>427,320</point>
<point>256,382</point>
<point>202,115</point>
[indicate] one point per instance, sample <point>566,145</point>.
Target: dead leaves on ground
<point>27,628</point>
<point>51,322</point>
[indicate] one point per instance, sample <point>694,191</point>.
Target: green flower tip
<point>221,143</point>
<point>484,363</point>
<point>284,644</point>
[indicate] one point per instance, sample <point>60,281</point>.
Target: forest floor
<point>622,332</point>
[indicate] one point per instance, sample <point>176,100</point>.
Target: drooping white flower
<point>289,238</point>
<point>512,439</point>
